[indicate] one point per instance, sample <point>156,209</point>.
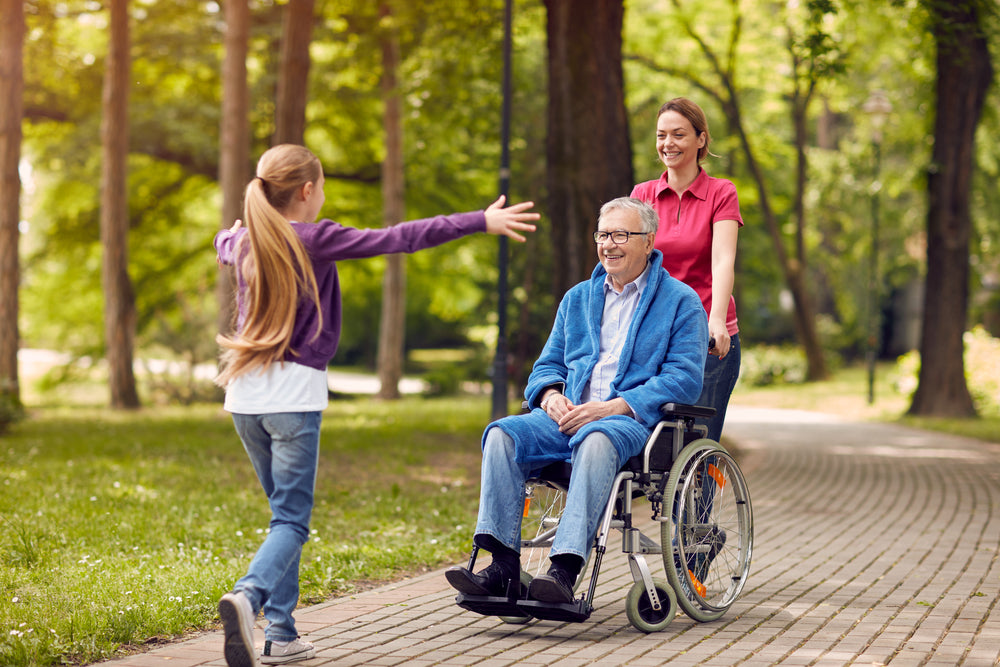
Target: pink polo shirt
<point>685,233</point>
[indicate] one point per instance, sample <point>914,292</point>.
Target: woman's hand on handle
<point>720,335</point>
<point>511,220</point>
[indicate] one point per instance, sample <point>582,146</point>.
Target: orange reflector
<point>527,504</point>
<point>717,475</point>
<point>699,587</point>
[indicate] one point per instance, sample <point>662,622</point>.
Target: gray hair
<point>648,220</point>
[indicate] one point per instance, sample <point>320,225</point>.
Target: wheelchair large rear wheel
<point>707,536</point>
<point>543,507</point>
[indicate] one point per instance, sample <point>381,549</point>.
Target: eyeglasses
<point>618,237</point>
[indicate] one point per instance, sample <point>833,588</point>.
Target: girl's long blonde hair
<point>275,267</point>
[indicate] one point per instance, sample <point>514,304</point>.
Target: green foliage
<point>452,102</point>
<point>982,371</point>
<point>450,82</point>
<point>766,365</point>
<point>115,528</point>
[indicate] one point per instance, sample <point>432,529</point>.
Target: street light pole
<point>878,108</point>
<point>499,403</point>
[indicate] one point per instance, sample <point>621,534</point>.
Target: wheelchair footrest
<point>494,605</point>
<point>574,612</point>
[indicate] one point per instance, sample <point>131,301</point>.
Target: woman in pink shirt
<point>699,222</point>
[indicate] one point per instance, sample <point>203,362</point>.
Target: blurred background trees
<point>784,85</point>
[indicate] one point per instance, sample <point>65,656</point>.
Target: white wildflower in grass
<point>239,533</point>
<point>15,599</point>
<point>93,499</point>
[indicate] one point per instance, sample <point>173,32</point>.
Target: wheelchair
<point>700,500</point>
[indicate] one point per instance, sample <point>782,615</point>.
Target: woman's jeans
<point>720,379</point>
<point>284,451</point>
<point>501,500</point>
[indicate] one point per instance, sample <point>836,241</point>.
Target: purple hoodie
<point>327,241</point>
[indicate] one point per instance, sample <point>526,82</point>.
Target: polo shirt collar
<point>698,188</point>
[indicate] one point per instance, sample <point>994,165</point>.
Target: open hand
<point>511,220</point>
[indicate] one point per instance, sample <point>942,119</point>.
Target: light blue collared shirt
<point>619,309</point>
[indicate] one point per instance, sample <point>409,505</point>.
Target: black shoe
<point>555,586</point>
<point>492,581</point>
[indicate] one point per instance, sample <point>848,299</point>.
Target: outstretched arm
<point>511,220</point>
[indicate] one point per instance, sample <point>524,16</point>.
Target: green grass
<point>118,529</point>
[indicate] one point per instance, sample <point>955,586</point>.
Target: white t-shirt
<point>280,387</point>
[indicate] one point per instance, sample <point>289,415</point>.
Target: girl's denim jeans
<point>284,450</point>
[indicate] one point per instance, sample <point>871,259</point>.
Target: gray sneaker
<point>278,653</point>
<point>237,623</point>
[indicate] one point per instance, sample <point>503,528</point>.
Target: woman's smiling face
<point>677,143</point>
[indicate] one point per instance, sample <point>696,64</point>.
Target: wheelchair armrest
<point>675,410</point>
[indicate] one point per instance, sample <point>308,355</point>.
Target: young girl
<point>274,368</point>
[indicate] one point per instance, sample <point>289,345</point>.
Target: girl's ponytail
<point>272,263</point>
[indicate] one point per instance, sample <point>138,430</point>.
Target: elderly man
<point>623,343</point>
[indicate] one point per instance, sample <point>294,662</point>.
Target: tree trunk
<point>12,92</point>
<point>805,321</point>
<point>588,148</point>
<point>392,331</point>
<point>119,299</point>
<point>793,270</point>
<point>293,77</point>
<point>964,75</point>
<point>234,140</point>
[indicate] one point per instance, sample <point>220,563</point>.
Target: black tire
<point>708,539</point>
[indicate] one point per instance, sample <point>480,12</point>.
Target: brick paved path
<point>874,545</point>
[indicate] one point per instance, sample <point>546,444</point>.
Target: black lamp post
<point>878,109</point>
<point>499,405</point>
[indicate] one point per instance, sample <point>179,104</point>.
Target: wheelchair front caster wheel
<point>639,608</point>
<point>520,619</point>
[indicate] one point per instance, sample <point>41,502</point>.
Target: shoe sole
<point>282,659</point>
<point>461,580</point>
<point>543,589</point>
<point>239,649</point>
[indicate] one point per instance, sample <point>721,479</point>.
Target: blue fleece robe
<point>663,360</point>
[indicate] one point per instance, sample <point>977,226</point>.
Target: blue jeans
<point>284,451</point>
<point>501,501</point>
<point>720,378</point>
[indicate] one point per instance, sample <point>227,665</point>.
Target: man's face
<point>626,261</point>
